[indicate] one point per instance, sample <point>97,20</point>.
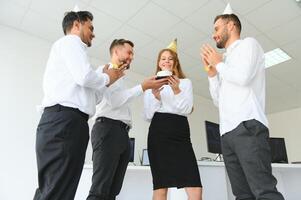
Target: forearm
<point>119,98</point>
<point>214,87</point>
<point>151,105</point>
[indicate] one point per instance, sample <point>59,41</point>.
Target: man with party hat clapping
<point>237,87</point>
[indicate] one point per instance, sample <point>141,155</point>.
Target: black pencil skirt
<point>172,160</point>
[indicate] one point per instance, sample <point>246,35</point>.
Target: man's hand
<point>125,65</point>
<point>114,74</point>
<point>152,83</point>
<point>206,55</point>
<point>211,56</point>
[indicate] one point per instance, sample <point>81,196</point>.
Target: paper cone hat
<point>76,8</point>
<point>173,46</point>
<point>228,10</point>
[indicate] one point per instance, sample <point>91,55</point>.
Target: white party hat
<point>228,10</point>
<point>76,8</point>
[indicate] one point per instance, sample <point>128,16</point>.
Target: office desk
<point>138,182</point>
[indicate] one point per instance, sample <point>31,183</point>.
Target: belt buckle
<point>99,119</point>
<point>126,126</point>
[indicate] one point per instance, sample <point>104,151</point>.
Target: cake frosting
<point>164,73</point>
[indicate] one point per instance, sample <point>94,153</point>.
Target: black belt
<point>58,107</point>
<point>114,121</point>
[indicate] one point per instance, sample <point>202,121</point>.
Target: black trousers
<point>61,142</point>
<point>111,154</point>
<point>247,157</point>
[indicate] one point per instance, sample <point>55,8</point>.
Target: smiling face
<point>221,33</point>
<point>86,32</point>
<point>125,53</point>
<point>169,60</point>
<point>166,61</point>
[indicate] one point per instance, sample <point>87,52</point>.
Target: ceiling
<point>152,24</point>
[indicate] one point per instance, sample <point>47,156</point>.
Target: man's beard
<point>83,38</point>
<point>222,43</point>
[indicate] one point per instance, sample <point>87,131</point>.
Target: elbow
<point>82,80</point>
<point>114,105</point>
<point>215,103</point>
<point>188,109</point>
<point>147,117</point>
<point>215,97</point>
<point>244,81</point>
<point>185,109</point>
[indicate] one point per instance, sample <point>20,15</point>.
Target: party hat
<point>76,8</point>
<point>228,10</point>
<point>173,45</point>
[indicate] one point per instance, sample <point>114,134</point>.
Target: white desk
<point>289,180</point>
<point>138,182</point>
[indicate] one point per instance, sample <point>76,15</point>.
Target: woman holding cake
<point>172,160</point>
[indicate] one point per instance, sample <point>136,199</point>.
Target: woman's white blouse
<point>180,104</point>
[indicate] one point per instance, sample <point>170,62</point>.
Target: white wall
<point>287,124</point>
<point>23,61</point>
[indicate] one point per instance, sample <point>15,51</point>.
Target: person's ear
<point>76,25</point>
<point>116,52</point>
<point>231,26</point>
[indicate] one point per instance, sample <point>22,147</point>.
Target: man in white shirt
<point>109,137</point>
<point>71,90</point>
<point>237,86</point>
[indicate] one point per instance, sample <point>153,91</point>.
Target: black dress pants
<point>247,157</point>
<point>61,142</point>
<point>111,154</point>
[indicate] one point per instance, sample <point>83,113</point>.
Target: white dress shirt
<point>69,79</point>
<point>239,87</point>
<point>180,104</point>
<point>116,101</point>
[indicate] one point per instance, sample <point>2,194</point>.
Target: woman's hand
<point>174,82</point>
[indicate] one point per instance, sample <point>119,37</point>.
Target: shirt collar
<point>232,46</point>
<point>78,38</point>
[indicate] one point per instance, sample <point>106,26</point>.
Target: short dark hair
<point>120,42</point>
<point>230,17</point>
<point>70,17</point>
